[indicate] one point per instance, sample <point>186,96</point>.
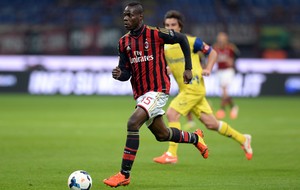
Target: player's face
<point>132,18</point>
<point>222,39</point>
<point>172,23</point>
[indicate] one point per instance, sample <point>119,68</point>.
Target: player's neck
<point>138,30</point>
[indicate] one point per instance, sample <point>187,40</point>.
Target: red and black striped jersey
<point>142,58</point>
<point>229,51</point>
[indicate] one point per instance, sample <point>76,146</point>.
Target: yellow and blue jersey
<point>176,63</point>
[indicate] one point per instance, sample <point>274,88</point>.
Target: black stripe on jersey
<point>139,68</point>
<point>122,44</point>
<point>146,62</point>
<point>153,46</point>
<point>128,43</point>
<point>125,44</point>
<point>162,69</point>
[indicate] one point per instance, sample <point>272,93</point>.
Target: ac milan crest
<point>146,45</point>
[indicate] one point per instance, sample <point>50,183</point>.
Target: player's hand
<point>116,73</point>
<point>187,76</point>
<point>169,70</point>
<point>205,72</point>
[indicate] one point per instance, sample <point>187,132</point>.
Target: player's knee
<point>172,115</point>
<point>132,124</point>
<point>162,137</point>
<point>168,115</point>
<point>210,122</point>
<point>211,126</point>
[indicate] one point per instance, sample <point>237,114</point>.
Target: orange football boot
<point>247,147</point>
<point>201,146</point>
<point>166,158</point>
<point>234,112</point>
<point>220,114</point>
<point>117,180</point>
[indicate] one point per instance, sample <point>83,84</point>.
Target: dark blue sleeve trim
<point>199,46</point>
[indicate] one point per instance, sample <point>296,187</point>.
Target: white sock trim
<point>220,125</point>
<point>169,153</point>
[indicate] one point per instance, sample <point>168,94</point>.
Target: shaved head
<point>133,16</point>
<point>138,8</point>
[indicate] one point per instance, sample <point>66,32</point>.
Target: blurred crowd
<point>260,28</point>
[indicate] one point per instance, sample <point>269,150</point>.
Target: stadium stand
<point>88,27</point>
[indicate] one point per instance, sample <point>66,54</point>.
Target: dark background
<point>260,28</point>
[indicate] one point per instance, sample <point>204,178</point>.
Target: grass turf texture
<point>46,138</point>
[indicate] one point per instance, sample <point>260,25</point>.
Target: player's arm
<point>122,72</point>
<point>171,37</point>
<point>236,51</point>
<point>208,51</point>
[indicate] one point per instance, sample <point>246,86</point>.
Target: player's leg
<point>220,114</point>
<point>134,123</point>
<point>162,133</point>
<point>227,100</point>
<point>170,157</point>
<point>234,111</point>
<point>173,121</point>
<point>234,108</point>
<point>226,77</point>
<point>190,122</point>
<point>180,105</point>
<point>223,128</point>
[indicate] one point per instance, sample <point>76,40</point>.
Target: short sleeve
<point>199,45</point>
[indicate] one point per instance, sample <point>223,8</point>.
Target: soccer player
<point>191,98</point>
<point>227,53</point>
<point>141,58</point>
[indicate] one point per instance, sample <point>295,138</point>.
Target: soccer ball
<point>80,180</point>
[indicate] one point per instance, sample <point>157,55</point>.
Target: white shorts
<point>225,76</point>
<point>152,103</point>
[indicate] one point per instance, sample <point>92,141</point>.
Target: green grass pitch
<point>43,139</point>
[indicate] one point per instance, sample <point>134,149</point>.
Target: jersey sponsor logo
<point>139,57</point>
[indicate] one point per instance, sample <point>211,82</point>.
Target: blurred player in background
<point>227,54</point>
<point>141,58</point>
<point>191,98</point>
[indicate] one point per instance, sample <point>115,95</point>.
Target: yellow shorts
<point>184,103</point>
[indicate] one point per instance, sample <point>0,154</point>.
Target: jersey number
<point>147,100</point>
